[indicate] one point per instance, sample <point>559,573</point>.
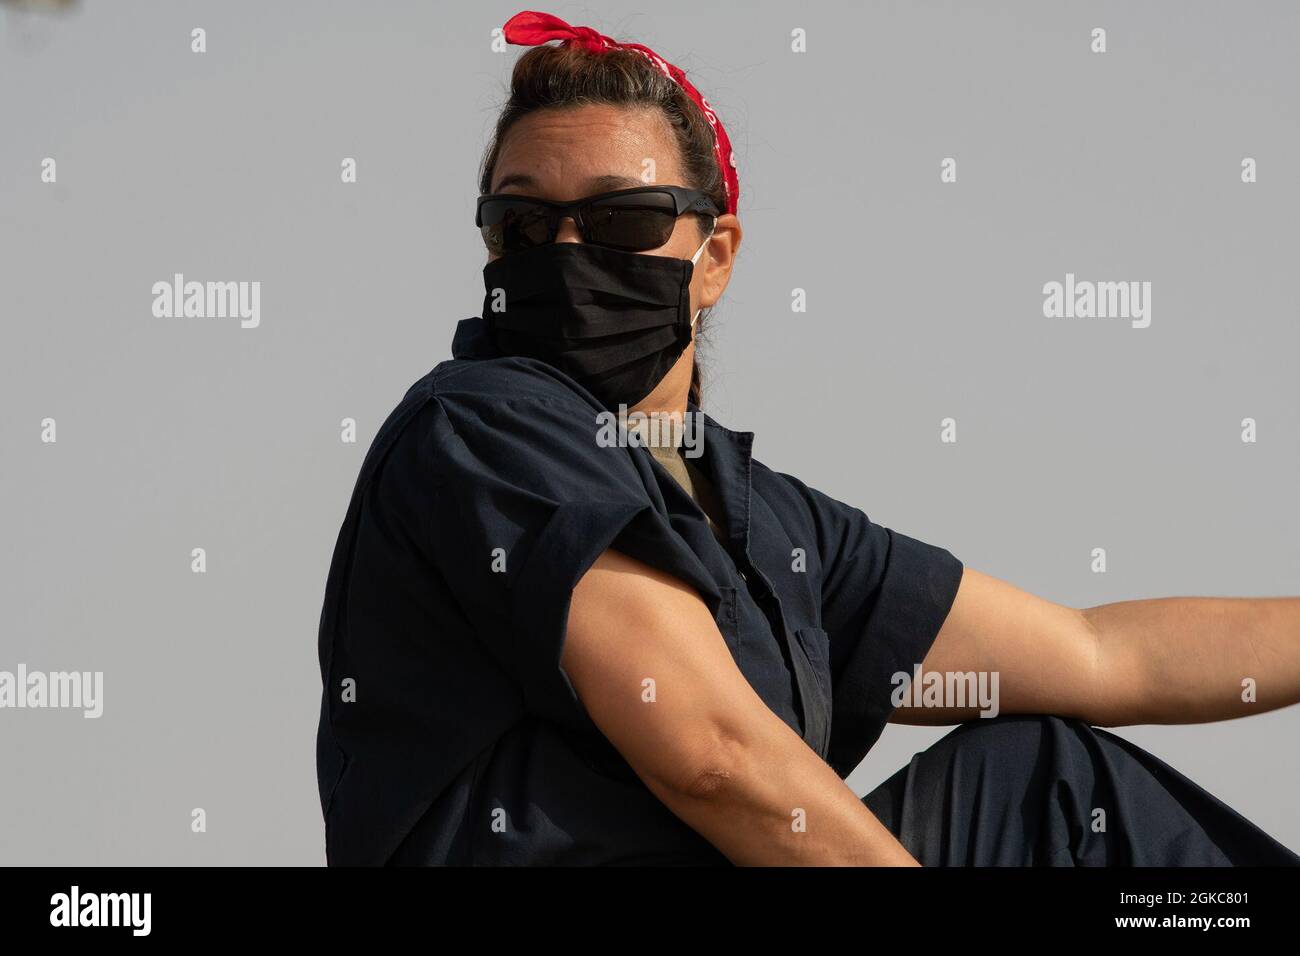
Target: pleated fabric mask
<point>614,321</point>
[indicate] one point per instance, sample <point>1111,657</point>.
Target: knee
<point>1009,743</point>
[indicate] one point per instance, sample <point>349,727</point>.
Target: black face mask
<point>614,321</point>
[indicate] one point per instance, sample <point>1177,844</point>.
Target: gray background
<point>924,301</point>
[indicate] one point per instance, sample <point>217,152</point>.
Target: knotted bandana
<point>531,28</point>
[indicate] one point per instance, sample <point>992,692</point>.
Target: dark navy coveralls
<point>450,735</point>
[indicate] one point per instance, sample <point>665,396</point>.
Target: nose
<point>568,231</point>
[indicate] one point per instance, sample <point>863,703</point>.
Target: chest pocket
<point>808,652</point>
<point>810,655</point>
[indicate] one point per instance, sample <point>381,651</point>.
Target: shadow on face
<point>567,153</point>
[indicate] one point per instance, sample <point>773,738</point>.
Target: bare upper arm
<point>648,662</point>
<point>655,675</point>
<point>1045,655</point>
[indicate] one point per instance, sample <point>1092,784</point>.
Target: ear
<point>716,260</point>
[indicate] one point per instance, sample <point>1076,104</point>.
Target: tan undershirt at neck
<point>686,474</point>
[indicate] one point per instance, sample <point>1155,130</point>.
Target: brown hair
<point>560,76</point>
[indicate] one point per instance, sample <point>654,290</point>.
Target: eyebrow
<point>596,184</point>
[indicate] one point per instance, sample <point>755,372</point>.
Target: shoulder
<point>787,493</point>
<point>488,382</point>
<point>833,523</point>
<point>511,420</point>
<point>480,395</point>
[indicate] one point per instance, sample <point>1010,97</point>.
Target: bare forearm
<point>656,677</point>
<point>1195,659</point>
<point>771,801</point>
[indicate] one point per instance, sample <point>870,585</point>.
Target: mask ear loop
<point>695,258</point>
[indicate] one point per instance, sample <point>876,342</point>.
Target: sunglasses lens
<point>509,225</point>
<point>638,221</point>
<point>633,223</point>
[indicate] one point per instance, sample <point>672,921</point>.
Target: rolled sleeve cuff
<point>917,592</point>
<point>576,534</point>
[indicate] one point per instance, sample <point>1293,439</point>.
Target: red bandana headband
<point>530,28</point>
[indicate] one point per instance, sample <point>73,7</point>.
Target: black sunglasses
<point>633,220</point>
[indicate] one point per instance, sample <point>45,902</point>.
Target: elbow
<point>1090,629</point>
<point>708,782</point>
<point>709,769</point>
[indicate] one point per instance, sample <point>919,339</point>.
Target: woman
<point>546,640</point>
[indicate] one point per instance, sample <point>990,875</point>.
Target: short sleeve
<point>885,595</point>
<point>527,497</point>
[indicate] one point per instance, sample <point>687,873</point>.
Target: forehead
<point>574,151</point>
